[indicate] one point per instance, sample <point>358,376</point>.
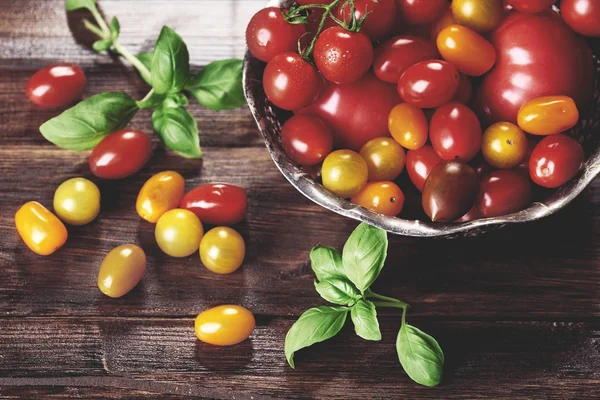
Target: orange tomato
<point>548,115</point>
<point>384,158</point>
<point>161,193</point>
<point>504,145</point>
<point>408,126</point>
<point>41,230</point>
<point>383,197</point>
<point>224,325</point>
<point>480,15</point>
<point>470,52</point>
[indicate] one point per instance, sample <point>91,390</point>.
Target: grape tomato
<point>121,154</point>
<point>397,54</point>
<point>56,86</point>
<point>421,12</point>
<point>555,160</point>
<point>217,203</point>
<point>420,163</point>
<point>548,115</point>
<point>429,84</point>
<point>455,132</point>
<point>161,193</point>
<point>408,125</point>
<point>41,230</point>
<point>480,15</point>
<point>504,192</point>
<point>224,325</point>
<point>470,52</point>
<point>583,16</point>
<point>121,270</point>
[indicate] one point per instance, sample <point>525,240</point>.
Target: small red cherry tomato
<point>548,115</point>
<point>555,160</point>
<point>465,90</point>
<point>307,140</point>
<point>383,197</point>
<point>504,192</point>
<point>56,86</point>
<point>466,49</point>
<point>429,84</point>
<point>396,55</point>
<point>421,12</point>
<point>583,16</point>
<point>381,16</point>
<point>217,203</point>
<point>530,6</point>
<point>419,164</point>
<point>455,132</point>
<point>121,154</point>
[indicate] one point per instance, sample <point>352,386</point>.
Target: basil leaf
<point>146,59</point>
<point>84,125</point>
<point>326,262</point>
<point>77,4</point>
<point>115,28</point>
<point>219,85</point>
<point>338,291</point>
<point>102,45</point>
<point>364,255</point>
<point>364,317</point>
<point>175,100</point>
<point>420,355</point>
<point>170,66</point>
<point>314,326</point>
<point>178,130</point>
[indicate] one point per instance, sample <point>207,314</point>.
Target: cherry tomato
<point>307,140</point>
<point>466,49</point>
<point>222,250</point>
<point>121,154</point>
<point>583,16</point>
<point>419,164</point>
<point>445,20</point>
<point>530,146</point>
<point>344,172</point>
<point>381,16</point>
<point>161,193</point>
<point>504,145</point>
<point>121,270</point>
<point>455,132</point>
<point>56,86</point>
<point>429,84</point>
<point>421,12</point>
<point>382,197</point>
<point>479,15</point>
<point>504,192</point>
<point>384,158</point>
<point>548,115</point>
<point>530,6</point>
<point>465,90</point>
<point>217,203</point>
<point>290,82</point>
<point>341,56</point>
<point>224,325</point>
<point>472,215</point>
<point>41,230</point>
<point>555,161</point>
<point>178,233</point>
<point>408,126</point>
<point>397,54</point>
<point>77,201</point>
<point>268,34</point>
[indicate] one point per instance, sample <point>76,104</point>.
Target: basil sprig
<point>345,280</point>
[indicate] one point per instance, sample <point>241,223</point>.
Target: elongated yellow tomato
<point>41,230</point>
<point>548,115</point>
<point>224,325</point>
<point>222,250</point>
<point>77,201</point>
<point>121,270</point>
<point>481,15</point>
<point>161,193</point>
<point>470,52</point>
<point>178,232</point>
<point>344,172</point>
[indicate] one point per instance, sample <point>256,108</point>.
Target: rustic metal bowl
<point>269,120</point>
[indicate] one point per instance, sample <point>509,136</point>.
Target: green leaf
<point>77,4</point>
<point>420,355</point>
<point>364,255</point>
<point>178,131</point>
<point>326,262</point>
<point>115,28</point>
<point>219,85</point>
<point>175,100</point>
<point>364,317</point>
<point>338,291</point>
<point>170,66</point>
<point>102,45</point>
<point>314,326</point>
<point>146,59</point>
<point>84,125</point>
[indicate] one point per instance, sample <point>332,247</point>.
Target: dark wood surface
<point>517,311</point>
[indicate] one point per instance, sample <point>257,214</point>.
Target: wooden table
<point>516,311</point>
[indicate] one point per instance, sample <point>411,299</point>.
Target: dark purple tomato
<point>504,191</point>
<point>56,86</point>
<point>455,132</point>
<point>217,203</point>
<point>429,84</point>
<point>583,16</point>
<point>472,215</point>
<point>121,154</point>
<point>397,54</point>
<point>307,140</point>
<point>555,160</point>
<point>420,163</point>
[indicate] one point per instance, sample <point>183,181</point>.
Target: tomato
<point>466,49</point>
<point>472,215</point>
<point>504,145</point>
<point>222,250</point>
<point>290,82</point>
<point>341,56</point>
<point>548,115</point>
<point>382,197</point>
<point>178,232</point>
<point>429,84</point>
<point>217,203</point>
<point>56,86</point>
<point>384,158</point>
<point>381,17</point>
<point>504,192</point>
<point>161,193</point>
<point>77,201</point>
<point>445,20</point>
<point>530,146</point>
<point>307,140</point>
<point>465,90</point>
<point>397,54</point>
<point>530,6</point>
<point>421,12</point>
<point>455,132</point>
<point>408,126</point>
<point>121,154</point>
<point>538,55</point>
<point>268,34</point>
<point>555,160</point>
<point>224,325</point>
<point>583,16</point>
<point>480,15</point>
<point>121,270</point>
<point>419,164</point>
<point>357,112</point>
<point>41,230</point>
<point>344,172</point>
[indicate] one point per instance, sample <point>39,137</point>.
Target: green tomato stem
<point>401,305</point>
<point>145,72</point>
<point>101,22</point>
<point>94,29</point>
<point>308,51</point>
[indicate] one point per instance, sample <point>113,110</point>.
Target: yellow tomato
<point>161,193</point>
<point>384,158</point>
<point>224,325</point>
<point>121,270</point>
<point>41,230</point>
<point>77,201</point>
<point>504,145</point>
<point>481,15</point>
<point>548,115</point>
<point>178,232</point>
<point>470,52</point>
<point>408,126</point>
<point>383,197</point>
<point>222,250</point>
<point>344,172</point>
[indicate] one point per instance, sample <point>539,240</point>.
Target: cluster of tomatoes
<point>458,93</point>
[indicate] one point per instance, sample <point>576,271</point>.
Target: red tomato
<point>583,16</point>
<point>396,55</point>
<point>504,192</point>
<point>530,6</point>
<point>380,21</point>
<point>121,154</point>
<point>56,86</point>
<point>307,140</point>
<point>537,55</point>
<point>357,112</point>
<point>419,164</point>
<point>465,90</point>
<point>290,82</point>
<point>341,56</point>
<point>421,12</point>
<point>555,160</point>
<point>268,34</point>
<point>472,215</point>
<point>455,132</point>
<point>217,203</point>
<point>429,84</point>
<point>445,20</point>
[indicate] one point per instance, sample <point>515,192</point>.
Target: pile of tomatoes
<point>457,93</point>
